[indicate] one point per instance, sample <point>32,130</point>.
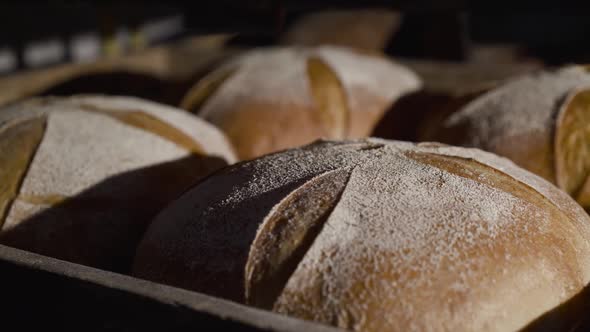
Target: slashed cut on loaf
<point>272,99</point>
<point>81,177</point>
<point>540,121</point>
<point>376,235</point>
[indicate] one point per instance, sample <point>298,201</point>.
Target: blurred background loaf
<point>154,73</point>
<point>272,99</point>
<point>368,29</point>
<point>541,121</point>
<point>83,176</point>
<point>447,87</point>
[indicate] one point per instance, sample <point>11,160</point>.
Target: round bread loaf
<point>375,235</point>
<point>540,121</point>
<point>161,73</point>
<point>272,99</point>
<point>447,87</point>
<point>416,116</point>
<point>368,29</point>
<point>81,177</point>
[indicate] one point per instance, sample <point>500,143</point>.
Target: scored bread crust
<point>102,168</point>
<point>572,143</point>
<point>212,141</point>
<point>415,237</point>
<point>521,121</point>
<point>278,83</point>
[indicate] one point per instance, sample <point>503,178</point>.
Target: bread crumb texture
<point>420,237</point>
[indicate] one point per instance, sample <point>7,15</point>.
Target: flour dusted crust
<point>448,87</point>
<point>523,121</point>
<point>268,103</point>
<point>96,178</point>
<point>211,139</point>
<point>375,235</point>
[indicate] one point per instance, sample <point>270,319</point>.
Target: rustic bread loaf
<point>272,99</point>
<point>540,121</point>
<point>375,235</point>
<point>158,73</point>
<point>447,87</point>
<point>416,116</point>
<point>81,177</point>
<point>368,29</point>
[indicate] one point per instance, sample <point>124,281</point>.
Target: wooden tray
<point>39,292</point>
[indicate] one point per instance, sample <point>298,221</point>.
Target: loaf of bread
<point>416,116</point>
<point>272,99</point>
<point>153,73</point>
<point>369,29</point>
<point>376,235</point>
<point>540,121</point>
<point>81,177</point>
<point>447,87</point>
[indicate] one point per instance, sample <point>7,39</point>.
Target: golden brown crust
<point>584,195</point>
<point>404,237</point>
<point>206,87</point>
<point>363,121</point>
<point>218,269</point>
<point>97,170</point>
<point>472,169</point>
<point>312,300</point>
<point>502,299</point>
<point>323,92</point>
<point>247,124</point>
<point>331,106</point>
<point>18,143</point>
<point>439,111</point>
<point>101,230</point>
<point>539,121</point>
<point>448,87</point>
<point>534,152</point>
<point>288,232</point>
<point>570,316</point>
<point>418,116</point>
<point>248,127</point>
<point>147,122</point>
<point>572,142</point>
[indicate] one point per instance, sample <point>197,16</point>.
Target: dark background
<point>441,29</point>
